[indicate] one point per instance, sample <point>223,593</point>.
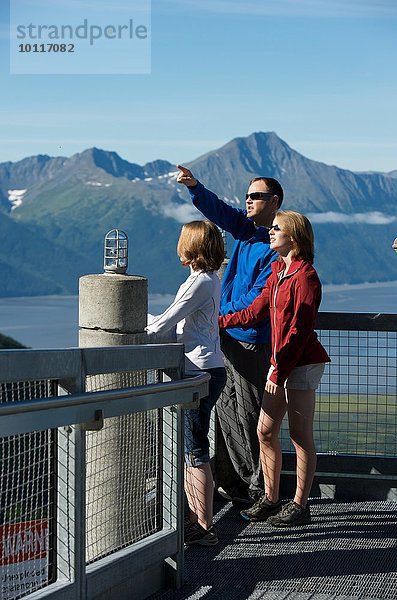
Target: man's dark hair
<point>273,186</point>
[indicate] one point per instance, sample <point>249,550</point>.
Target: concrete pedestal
<point>113,312</point>
<point>113,303</point>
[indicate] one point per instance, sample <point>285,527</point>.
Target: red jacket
<point>293,301</point>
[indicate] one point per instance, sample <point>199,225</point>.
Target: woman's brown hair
<point>300,229</point>
<point>201,246</point>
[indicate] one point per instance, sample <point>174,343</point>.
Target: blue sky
<point>322,74</point>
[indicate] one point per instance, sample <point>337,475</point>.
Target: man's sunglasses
<point>259,195</point>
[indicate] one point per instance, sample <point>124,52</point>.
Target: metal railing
<point>356,407</point>
<point>92,482</point>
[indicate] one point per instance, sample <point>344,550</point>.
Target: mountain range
<point>55,212</point>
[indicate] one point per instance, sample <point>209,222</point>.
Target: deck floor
<point>348,552</point>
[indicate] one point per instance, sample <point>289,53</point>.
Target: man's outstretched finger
<point>186,177</point>
<point>184,170</point>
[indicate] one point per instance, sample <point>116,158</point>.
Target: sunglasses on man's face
<point>258,195</point>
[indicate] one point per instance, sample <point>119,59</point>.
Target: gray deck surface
<point>348,552</point>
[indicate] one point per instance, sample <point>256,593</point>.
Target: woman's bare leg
<point>199,488</point>
<point>190,496</point>
<point>301,405</point>
<point>270,419</point>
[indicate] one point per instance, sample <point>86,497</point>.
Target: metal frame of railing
<point>144,561</point>
<point>357,470</point>
<point>144,564</point>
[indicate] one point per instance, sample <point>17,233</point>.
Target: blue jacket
<point>249,265</point>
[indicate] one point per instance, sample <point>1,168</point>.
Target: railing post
<point>71,513</point>
<point>173,480</point>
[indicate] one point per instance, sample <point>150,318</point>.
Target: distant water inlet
<point>52,321</point>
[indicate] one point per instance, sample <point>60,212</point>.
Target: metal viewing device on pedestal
<point>115,258</point>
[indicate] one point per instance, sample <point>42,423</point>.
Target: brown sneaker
<point>290,515</point>
<point>261,510</point>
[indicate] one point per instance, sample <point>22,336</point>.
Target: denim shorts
<point>197,421</point>
<point>306,377</point>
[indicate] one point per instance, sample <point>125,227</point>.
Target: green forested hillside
<point>53,233</point>
<point>8,343</point>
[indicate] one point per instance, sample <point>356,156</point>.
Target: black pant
<point>238,410</point>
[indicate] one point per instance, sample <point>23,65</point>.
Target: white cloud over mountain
<point>182,213</point>
<point>369,218</point>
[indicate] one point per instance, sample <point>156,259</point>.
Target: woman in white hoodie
<point>194,312</point>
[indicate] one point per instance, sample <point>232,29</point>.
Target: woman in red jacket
<point>292,296</point>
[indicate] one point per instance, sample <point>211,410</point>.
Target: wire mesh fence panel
<point>356,403</point>
<point>27,500</point>
<point>123,480</point>
<point>123,475</point>
<point>167,490</point>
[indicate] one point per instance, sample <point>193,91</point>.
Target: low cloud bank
<point>369,218</point>
<point>182,213</point>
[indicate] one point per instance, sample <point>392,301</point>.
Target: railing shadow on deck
<point>347,552</point>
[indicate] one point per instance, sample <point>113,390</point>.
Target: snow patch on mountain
<point>234,200</point>
<point>15,197</point>
<point>171,174</point>
<point>98,184</point>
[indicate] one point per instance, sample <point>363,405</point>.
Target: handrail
<point>14,408</point>
<point>90,408</point>
<point>356,321</point>
<point>65,363</point>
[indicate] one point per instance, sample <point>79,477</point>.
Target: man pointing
<point>246,350</point>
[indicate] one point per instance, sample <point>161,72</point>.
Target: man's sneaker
<point>290,515</point>
<point>198,535</point>
<point>246,498</point>
<point>225,493</point>
<point>239,496</point>
<point>261,510</point>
